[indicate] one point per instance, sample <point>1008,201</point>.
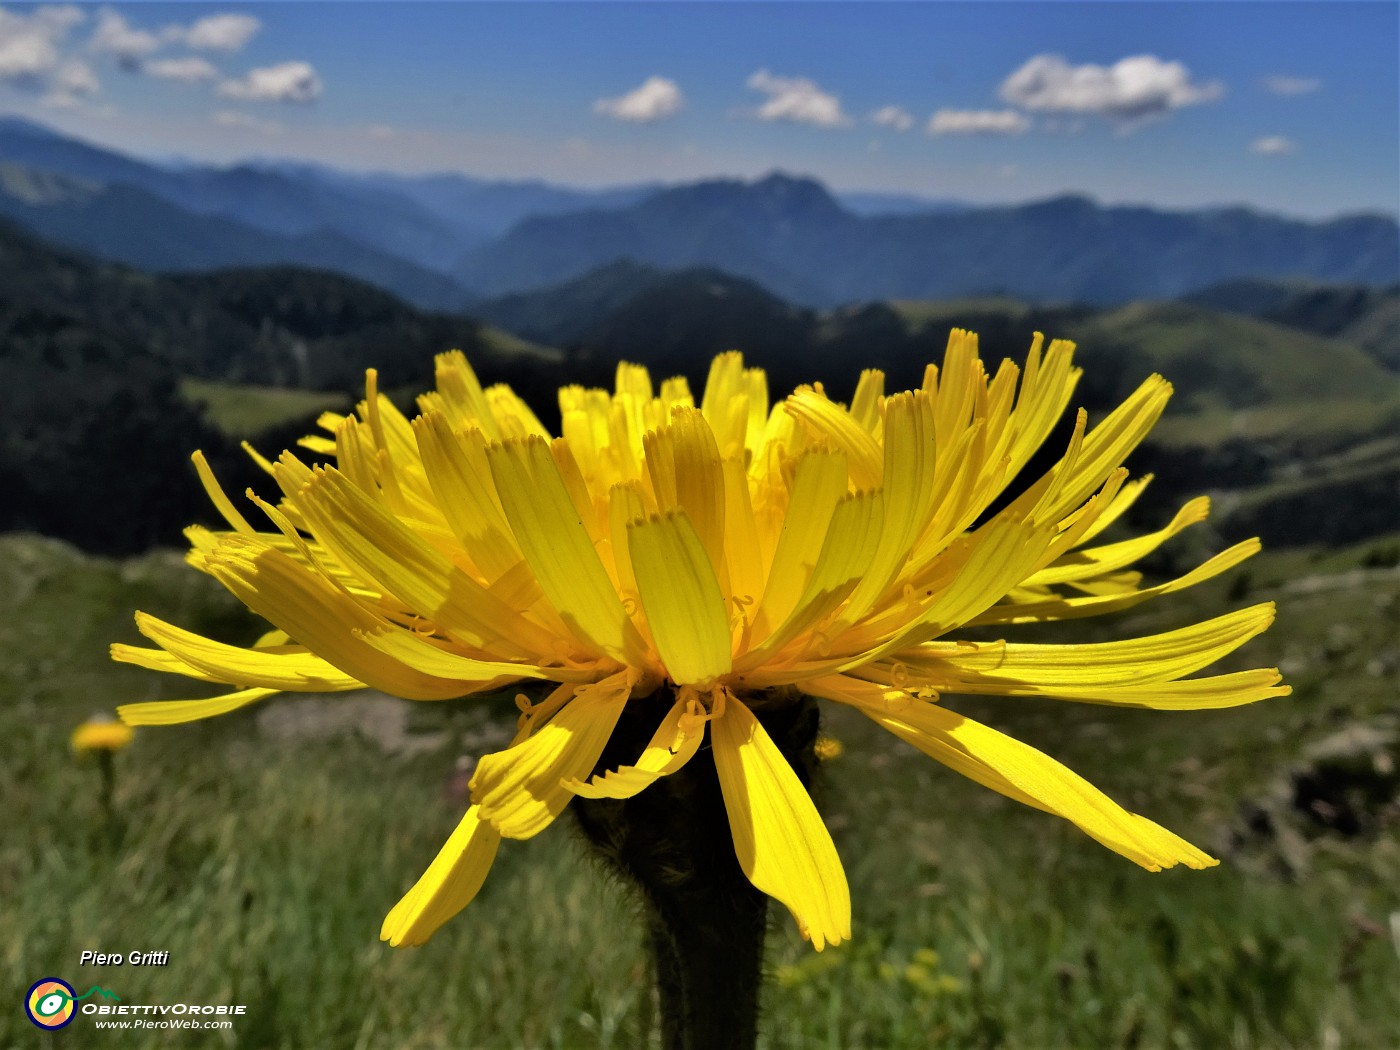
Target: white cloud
<point>1132,89</point>
<point>380,131</point>
<point>1273,146</point>
<point>797,99</point>
<point>977,122</point>
<point>222,32</point>
<point>185,70</point>
<point>230,118</point>
<point>75,77</point>
<point>72,84</point>
<point>894,117</point>
<point>1286,85</point>
<point>30,56</point>
<point>288,82</point>
<point>655,99</point>
<point>116,37</point>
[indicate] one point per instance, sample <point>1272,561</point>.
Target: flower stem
<point>107,766</point>
<point>706,922</point>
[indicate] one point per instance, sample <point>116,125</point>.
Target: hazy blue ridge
<point>129,225</point>
<point>790,234</point>
<point>873,203</point>
<point>280,202</point>
<point>794,237</point>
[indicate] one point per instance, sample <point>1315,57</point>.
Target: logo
<point>49,1003</point>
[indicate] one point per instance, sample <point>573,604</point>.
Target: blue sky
<point>1286,106</point>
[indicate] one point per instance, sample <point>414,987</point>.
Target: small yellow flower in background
<point>702,561</point>
<point>101,733</point>
<point>828,748</point>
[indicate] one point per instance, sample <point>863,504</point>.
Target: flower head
<point>702,560</point>
<point>100,733</point>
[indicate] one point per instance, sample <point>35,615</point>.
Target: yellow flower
<point>701,561</point>
<point>100,733</point>
<point>828,748</point>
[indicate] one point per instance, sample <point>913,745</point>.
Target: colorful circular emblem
<point>49,1003</point>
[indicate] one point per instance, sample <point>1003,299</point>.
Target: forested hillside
<point>97,429</point>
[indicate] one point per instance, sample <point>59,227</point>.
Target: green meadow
<point>262,849</point>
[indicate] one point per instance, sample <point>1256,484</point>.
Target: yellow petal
<point>437,659</point>
<point>1126,497</point>
<point>159,660</point>
<point>865,405</point>
<point>846,554</point>
<point>1108,444</point>
<point>448,886</point>
<point>1045,610</point>
<point>521,790</point>
<point>819,483</point>
<point>726,386</point>
<point>977,574</point>
<point>1046,387</point>
<point>512,413</point>
<point>217,495</point>
<point>363,534</point>
<point>457,467</point>
<point>672,745</point>
<point>1191,694</point>
<point>779,838</point>
<point>909,473</point>
<point>173,712</point>
<point>301,672</point>
<point>319,616</point>
<point>743,554</point>
<point>1095,561</point>
<point>681,597</point>
<point>687,474</point>
<point>554,541</point>
<point>1061,670</point>
<point>1018,771</point>
<point>837,425</point>
<point>461,392</point>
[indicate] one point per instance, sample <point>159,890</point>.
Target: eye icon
<point>49,1003</point>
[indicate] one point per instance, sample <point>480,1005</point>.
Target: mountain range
<point>1277,390</point>
<point>447,241</point>
<point>795,238</point>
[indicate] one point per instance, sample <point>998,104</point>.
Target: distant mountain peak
<point>775,197</point>
<point>15,125</point>
<point>1061,204</point>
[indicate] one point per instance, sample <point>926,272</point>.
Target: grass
<point>507,344</point>
<point>264,864</point>
<point>1324,425</point>
<point>245,411</point>
<point>1219,359</point>
<point>1220,363</point>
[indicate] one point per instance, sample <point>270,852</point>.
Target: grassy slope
<point>1281,364</point>
<point>243,411</point>
<point>265,865</point>
<point>1295,427</point>
<point>507,344</point>
<point>1271,364</point>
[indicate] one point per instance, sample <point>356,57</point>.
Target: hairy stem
<point>706,922</point>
